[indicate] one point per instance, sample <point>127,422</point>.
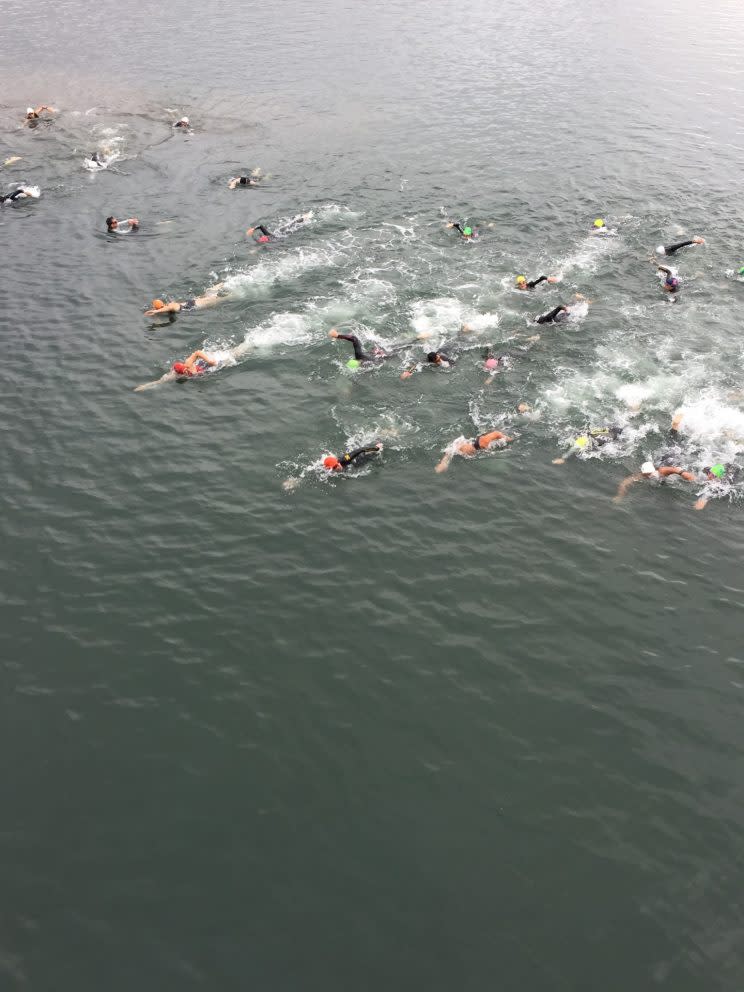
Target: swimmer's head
<point>184,122</point>
<point>179,368</point>
<point>491,363</point>
<point>599,222</point>
<point>263,239</point>
<point>331,463</point>
<point>433,357</point>
<point>582,441</point>
<point>521,281</point>
<point>715,471</point>
<point>157,304</point>
<point>648,468</point>
<point>467,232</point>
<point>741,271</point>
<point>353,363</point>
<point>111,223</point>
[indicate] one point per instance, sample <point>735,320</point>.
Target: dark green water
<point>399,730</point>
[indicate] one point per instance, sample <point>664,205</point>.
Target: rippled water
<point>394,730</point>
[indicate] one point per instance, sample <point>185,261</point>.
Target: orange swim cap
<point>157,304</point>
<point>331,462</point>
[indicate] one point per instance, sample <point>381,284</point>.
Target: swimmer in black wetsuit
<point>523,283</point>
<point>443,358</point>
<point>671,281</point>
<point>209,299</point>
<point>465,230</point>
<point>252,180</point>
<point>560,313</point>
<point>671,249</point>
<point>22,193</point>
<point>357,457</point>
<point>378,354</point>
<point>279,232</point>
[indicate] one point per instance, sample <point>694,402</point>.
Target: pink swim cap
<point>492,363</point>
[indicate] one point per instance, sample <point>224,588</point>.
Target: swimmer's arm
<point>456,226</point>
<point>665,269</point>
<point>626,484</point>
<point>209,300</point>
<point>133,223</point>
<point>173,307</point>
<point>701,503</point>
<point>671,470</point>
<point>353,455</point>
<point>168,377</point>
<point>201,356</point>
<point>409,372</point>
<point>536,282</point>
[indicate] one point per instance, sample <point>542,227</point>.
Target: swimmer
<point>183,123</point>
<point>289,227</point>
<point>523,283</point>
<point>209,299</point>
<point>590,440</point>
<point>671,249</point>
<point>197,363</point>
<point>466,448</point>
<point>33,114</point>
<point>22,193</point>
<point>252,180</point>
<point>357,457</point>
<point>562,312</point>
<point>378,354</point>
<point>441,358</point>
<point>650,472</point>
<point>671,283</point>
<point>717,478</point>
<point>465,230</point>
<point>112,224</point>
<point>599,227</point>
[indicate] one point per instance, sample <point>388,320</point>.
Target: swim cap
<point>492,363</point>
<point>179,367</point>
<point>29,110</point>
<point>184,120</point>
<point>741,271</point>
<point>521,279</point>
<point>262,239</point>
<point>331,462</point>
<point>582,441</point>
<point>718,470</point>
<point>467,231</point>
<point>648,468</point>
<point>599,222</point>
<point>353,363</point>
<point>157,304</point>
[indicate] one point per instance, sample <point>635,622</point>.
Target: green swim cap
<point>718,470</point>
<point>467,230</point>
<point>581,442</point>
<point>599,222</point>
<point>353,363</point>
<point>741,271</point>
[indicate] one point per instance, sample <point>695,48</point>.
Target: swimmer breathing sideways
<point>377,354</point>
<point>591,440</point>
<point>22,193</point>
<point>466,448</point>
<point>209,299</point>
<point>357,457</point>
<point>112,224</point>
<point>197,363</point>
<point>524,283</point>
<point>465,230</point>
<point>252,180</point>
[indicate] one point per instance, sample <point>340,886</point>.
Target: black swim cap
<point>109,221</point>
<point>432,356</point>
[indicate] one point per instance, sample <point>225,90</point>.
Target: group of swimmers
<point>199,362</point>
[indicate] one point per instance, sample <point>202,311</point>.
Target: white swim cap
<point>184,120</point>
<point>648,468</point>
<point>29,110</point>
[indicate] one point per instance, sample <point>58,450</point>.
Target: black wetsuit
<point>603,435</point>
<point>379,354</point>
<point>444,360</point>
<point>15,195</point>
<point>262,229</point>
<point>536,282</point>
<point>670,249</point>
<point>459,228</point>
<point>671,281</point>
<point>358,457</point>
<point>248,181</point>
<point>556,314</point>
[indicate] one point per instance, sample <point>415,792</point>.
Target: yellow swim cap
<point>521,278</point>
<point>599,222</point>
<point>581,442</point>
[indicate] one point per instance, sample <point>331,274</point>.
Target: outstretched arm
<point>626,484</point>
<point>444,464</point>
<point>168,377</point>
<point>671,470</point>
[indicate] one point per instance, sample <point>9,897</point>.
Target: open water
<point>395,730</point>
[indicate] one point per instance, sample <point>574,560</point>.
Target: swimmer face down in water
<point>197,363</point>
<point>523,283</point>
<point>357,457</point>
<point>468,448</point>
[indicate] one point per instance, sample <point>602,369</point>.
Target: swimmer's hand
<point>450,223</point>
<point>250,231</point>
<point>701,503</point>
<point>558,461</point>
<point>231,185</point>
<point>333,333</point>
<point>553,279</point>
<point>407,374</point>
<point>465,329</point>
<point>698,241</point>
